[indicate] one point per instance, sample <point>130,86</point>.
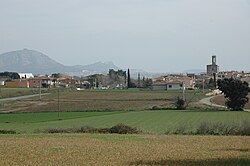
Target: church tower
<point>213,68</point>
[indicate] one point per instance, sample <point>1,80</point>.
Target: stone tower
<point>213,68</point>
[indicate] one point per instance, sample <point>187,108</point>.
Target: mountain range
<point>30,61</point>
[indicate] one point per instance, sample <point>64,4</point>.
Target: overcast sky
<point>155,35</point>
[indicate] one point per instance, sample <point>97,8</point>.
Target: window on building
<point>170,86</point>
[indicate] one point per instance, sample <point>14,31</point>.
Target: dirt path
<point>22,97</point>
<point>207,101</point>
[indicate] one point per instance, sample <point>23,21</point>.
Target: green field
<point>147,121</point>
<point>106,108</point>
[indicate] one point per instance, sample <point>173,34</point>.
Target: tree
<point>11,75</point>
<point>180,104</point>
<point>56,75</point>
<point>129,80</point>
<point>235,93</point>
<point>147,82</point>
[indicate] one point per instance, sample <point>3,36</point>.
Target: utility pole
<point>215,84</point>
<point>203,85</point>
<point>40,90</point>
<point>139,80</point>
<point>183,91</point>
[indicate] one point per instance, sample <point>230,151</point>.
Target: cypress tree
<point>129,80</point>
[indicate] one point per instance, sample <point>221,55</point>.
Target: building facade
<point>172,85</point>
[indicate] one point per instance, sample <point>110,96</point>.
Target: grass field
<point>147,121</point>
<point>102,149</point>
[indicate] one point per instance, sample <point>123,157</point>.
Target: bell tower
<point>214,60</point>
<point>213,68</point>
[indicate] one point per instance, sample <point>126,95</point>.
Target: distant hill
<point>38,63</point>
<point>100,66</point>
<point>29,61</point>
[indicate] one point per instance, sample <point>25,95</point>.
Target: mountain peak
<point>28,61</point>
<point>31,61</point>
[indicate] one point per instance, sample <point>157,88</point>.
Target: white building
<point>172,85</point>
<point>26,75</point>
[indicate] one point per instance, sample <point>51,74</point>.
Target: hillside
<point>38,63</point>
<point>29,61</point>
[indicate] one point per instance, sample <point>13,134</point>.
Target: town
<point>119,80</point>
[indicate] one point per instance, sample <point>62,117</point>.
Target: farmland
<point>102,149</point>
<point>98,108</point>
<point>154,122</point>
<point>148,111</point>
<point>93,100</point>
<point>14,92</point>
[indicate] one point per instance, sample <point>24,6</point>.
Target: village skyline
<point>41,64</point>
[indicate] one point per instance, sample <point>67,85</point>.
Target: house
<point>44,81</point>
<point>66,82</point>
<point>189,80</point>
<point>20,83</point>
<point>171,85</point>
<point>83,85</point>
<point>159,86</point>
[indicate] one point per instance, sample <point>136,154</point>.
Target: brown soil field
<point>221,100</point>
<point>101,149</point>
<point>98,100</point>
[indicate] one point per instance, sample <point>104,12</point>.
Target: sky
<point>154,35</point>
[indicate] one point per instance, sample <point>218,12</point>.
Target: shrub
<point>206,128</point>
<point>119,129</point>
<point>203,128</point>
<point>86,129</point>
<point>182,128</point>
<point>57,130</point>
<point>180,104</point>
<point>244,128</point>
<point>218,128</point>
<point>123,129</point>
<point>7,132</point>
